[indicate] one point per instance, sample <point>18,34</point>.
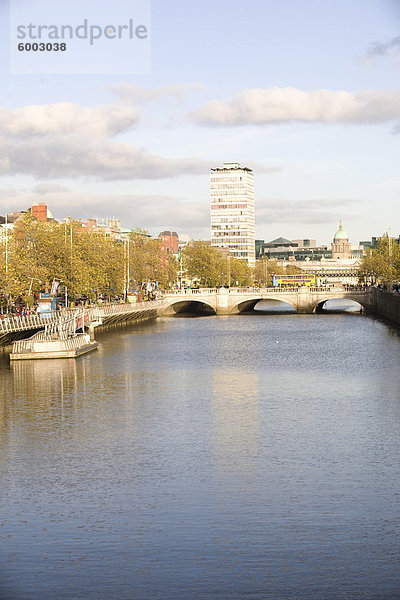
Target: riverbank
<point>387,305</point>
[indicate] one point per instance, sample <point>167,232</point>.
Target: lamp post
<point>6,223</point>
<point>266,272</point>
<point>32,280</point>
<point>128,275</point>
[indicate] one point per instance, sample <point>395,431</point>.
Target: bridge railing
<point>235,290</point>
<point>262,290</point>
<point>114,309</point>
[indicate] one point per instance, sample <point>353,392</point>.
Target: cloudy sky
<point>305,92</point>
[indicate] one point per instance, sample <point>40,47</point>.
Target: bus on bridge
<point>307,280</point>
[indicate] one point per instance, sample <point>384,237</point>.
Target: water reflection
<point>274,306</point>
<point>235,419</point>
<point>339,305</point>
<point>224,457</point>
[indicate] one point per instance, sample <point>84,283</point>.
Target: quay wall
<point>387,305</point>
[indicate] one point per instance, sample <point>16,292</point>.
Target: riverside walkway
<point>63,322</point>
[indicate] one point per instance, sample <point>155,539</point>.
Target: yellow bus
<point>294,280</point>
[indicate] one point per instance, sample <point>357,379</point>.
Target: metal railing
<point>64,322</point>
<point>71,343</point>
<point>116,309</point>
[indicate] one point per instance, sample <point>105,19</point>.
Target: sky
<point>305,92</point>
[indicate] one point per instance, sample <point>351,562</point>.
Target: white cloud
<point>284,105</point>
<point>65,118</point>
<point>154,212</point>
<point>78,156</point>
<point>73,141</point>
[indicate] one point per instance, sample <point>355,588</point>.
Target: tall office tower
<point>232,210</point>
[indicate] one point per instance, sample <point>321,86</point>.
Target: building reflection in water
<point>235,411</point>
<point>45,381</point>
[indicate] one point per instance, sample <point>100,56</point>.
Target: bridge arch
<point>189,305</point>
<point>318,307</point>
<point>250,303</point>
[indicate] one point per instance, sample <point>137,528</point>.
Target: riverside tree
<point>85,261</point>
<point>266,268</point>
<point>211,267</point>
<point>382,263</point>
<point>148,261</point>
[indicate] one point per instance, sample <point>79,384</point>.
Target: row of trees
<point>212,268</point>
<point>86,263</point>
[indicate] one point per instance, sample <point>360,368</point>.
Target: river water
<point>248,457</point>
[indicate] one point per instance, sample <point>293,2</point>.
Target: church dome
<point>340,234</point>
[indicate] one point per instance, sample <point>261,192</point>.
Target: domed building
<point>341,247</point>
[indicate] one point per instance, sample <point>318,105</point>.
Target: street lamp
<point>65,292</point>
<point>32,280</point>
<point>6,223</point>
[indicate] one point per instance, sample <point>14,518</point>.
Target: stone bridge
<point>220,301</point>
<point>223,301</point>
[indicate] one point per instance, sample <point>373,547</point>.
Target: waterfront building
<point>372,244</point>
<point>294,250</point>
<point>336,265</point>
<point>39,212</point>
<point>232,210</point>
<point>341,247</point>
<point>169,241</point>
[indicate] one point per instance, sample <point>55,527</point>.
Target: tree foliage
<point>266,268</point>
<point>211,267</point>
<point>149,262</point>
<point>84,261</point>
<point>382,263</point>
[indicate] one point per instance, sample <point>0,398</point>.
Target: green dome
<point>341,235</point>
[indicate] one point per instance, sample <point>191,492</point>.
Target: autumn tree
<point>148,261</point>
<point>382,263</point>
<point>266,268</point>
<point>205,263</point>
<point>240,273</point>
<point>211,267</point>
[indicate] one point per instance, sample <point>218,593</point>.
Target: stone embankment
<point>386,304</point>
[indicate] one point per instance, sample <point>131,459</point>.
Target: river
<point>248,457</point>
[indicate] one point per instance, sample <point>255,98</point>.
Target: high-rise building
<point>232,210</point>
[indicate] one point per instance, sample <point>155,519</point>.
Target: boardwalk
<point>65,321</point>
